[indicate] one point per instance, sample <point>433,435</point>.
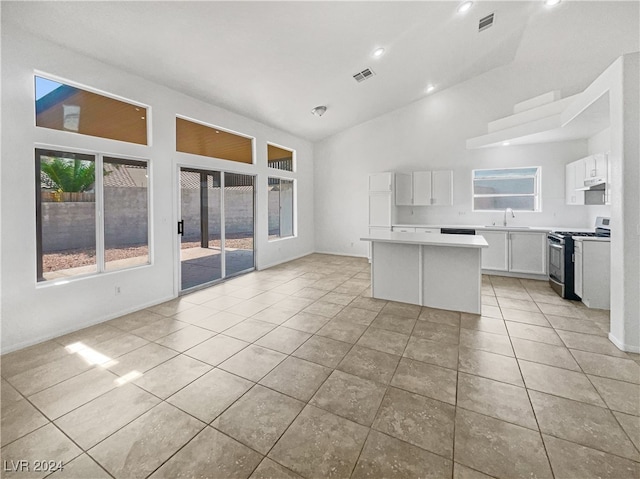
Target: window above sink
<point>502,188</point>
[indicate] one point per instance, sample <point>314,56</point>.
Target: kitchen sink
<point>508,227</point>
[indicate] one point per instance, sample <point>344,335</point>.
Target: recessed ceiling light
<point>378,52</point>
<point>505,143</point>
<point>551,3</point>
<point>464,6</point>
<point>430,88</point>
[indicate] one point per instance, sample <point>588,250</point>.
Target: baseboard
<point>271,265</point>
<point>109,317</point>
<point>623,347</point>
<point>508,274</point>
<point>342,254</point>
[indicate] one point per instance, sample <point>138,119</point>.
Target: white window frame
<point>536,194</point>
<point>294,229</point>
<point>293,159</point>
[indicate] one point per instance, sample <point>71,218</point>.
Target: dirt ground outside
<point>83,257</point>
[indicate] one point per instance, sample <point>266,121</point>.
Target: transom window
<point>515,188</point>
<point>279,158</point>
<point>204,140</point>
<point>71,109</point>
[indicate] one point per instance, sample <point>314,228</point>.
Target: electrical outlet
<point>461,213</point>
<point>117,290</point>
<point>352,244</point>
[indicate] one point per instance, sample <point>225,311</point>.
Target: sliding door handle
<point>181,227</point>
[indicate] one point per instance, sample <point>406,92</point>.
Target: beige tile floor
<point>296,372</point>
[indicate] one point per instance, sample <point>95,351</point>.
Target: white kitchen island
<point>435,270</point>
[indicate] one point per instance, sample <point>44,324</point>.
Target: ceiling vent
<point>363,75</point>
<point>485,22</point>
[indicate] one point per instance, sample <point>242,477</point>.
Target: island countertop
<point>436,239</point>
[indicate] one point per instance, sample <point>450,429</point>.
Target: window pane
<point>274,208</point>
<point>498,189</point>
<point>280,208</point>
<point>126,213</point>
<point>279,158</point>
<point>67,108</point>
<point>504,186</point>
<point>238,223</point>
<point>510,172</point>
<point>65,214</point>
<point>522,203</point>
<point>200,248</point>
<point>204,140</point>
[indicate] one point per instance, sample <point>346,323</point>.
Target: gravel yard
<point>84,257</point>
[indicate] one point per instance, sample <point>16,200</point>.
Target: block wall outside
<point>71,225</point>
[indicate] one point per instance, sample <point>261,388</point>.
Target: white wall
<point>431,134</point>
<point>623,82</point>
<point>32,313</point>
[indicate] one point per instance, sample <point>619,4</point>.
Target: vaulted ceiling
<point>275,61</point>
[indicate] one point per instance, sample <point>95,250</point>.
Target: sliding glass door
<point>238,222</point>
<point>216,226</point>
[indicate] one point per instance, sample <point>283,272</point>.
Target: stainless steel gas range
<point>561,257</point>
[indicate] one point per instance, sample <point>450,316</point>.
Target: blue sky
<point>44,86</point>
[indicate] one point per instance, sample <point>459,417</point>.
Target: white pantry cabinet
<point>528,252</point>
<point>424,188</point>
<point>496,256</point>
<point>380,209</point>
<point>515,251</point>
<point>381,182</point>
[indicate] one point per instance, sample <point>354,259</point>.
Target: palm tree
<point>70,175</point>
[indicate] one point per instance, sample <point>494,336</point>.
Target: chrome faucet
<point>508,210</point>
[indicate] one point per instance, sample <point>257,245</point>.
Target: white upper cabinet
<point>404,189</point>
<point>424,188</point>
<point>442,188</point>
<point>595,166</point>
<point>574,178</point>
<point>380,182</point>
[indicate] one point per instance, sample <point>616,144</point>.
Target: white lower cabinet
<point>515,251</point>
<point>527,252</point>
<point>577,268</point>
<point>496,256</point>
<point>592,271</point>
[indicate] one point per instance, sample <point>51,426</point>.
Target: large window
<point>199,139</point>
<point>91,213</point>
<point>281,208</point>
<point>515,188</point>
<point>67,108</point>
